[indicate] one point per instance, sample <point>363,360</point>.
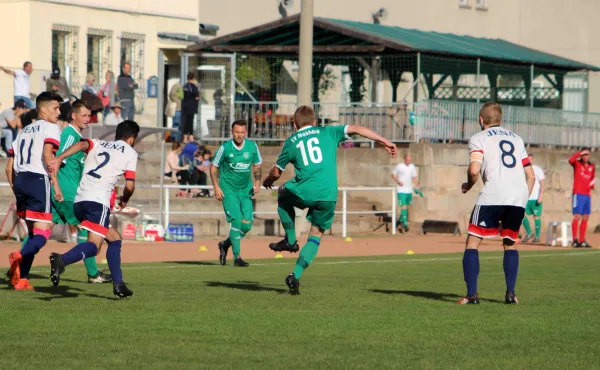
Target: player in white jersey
<point>30,180</point>
<point>534,204</point>
<point>105,163</point>
<point>499,155</point>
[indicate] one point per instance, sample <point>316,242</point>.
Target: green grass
<point>391,312</point>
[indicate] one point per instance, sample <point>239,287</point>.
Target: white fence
<point>430,120</point>
<point>165,207</point>
<point>437,120</point>
<point>165,212</point>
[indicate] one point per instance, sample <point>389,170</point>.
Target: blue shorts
<point>94,217</point>
<point>492,221</point>
<point>32,191</point>
<point>582,204</point>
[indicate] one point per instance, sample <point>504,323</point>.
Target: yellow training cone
<point>348,239</point>
<point>279,255</point>
<point>202,249</point>
<point>104,262</point>
<point>410,252</point>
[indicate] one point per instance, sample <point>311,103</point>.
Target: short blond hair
<point>491,113</point>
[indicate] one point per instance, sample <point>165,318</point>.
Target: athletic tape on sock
<point>45,233</point>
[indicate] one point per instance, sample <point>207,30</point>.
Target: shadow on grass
<point>197,263</point>
<point>244,285</point>
<point>59,292</point>
<point>444,297</point>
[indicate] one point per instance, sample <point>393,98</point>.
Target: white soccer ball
<point>553,243</point>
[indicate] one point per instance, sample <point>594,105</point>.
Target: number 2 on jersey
<point>314,152</point>
<point>104,162</point>
<point>508,154</point>
<point>28,151</point>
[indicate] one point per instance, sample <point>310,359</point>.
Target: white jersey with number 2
<point>105,163</point>
<point>503,156</point>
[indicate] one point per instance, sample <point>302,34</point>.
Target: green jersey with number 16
<point>313,153</point>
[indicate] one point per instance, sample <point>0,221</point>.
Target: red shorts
<point>492,221</point>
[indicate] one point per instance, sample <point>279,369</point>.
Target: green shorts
<point>62,213</point>
<point>320,213</point>
<point>238,207</point>
<point>533,208</point>
<point>404,199</point>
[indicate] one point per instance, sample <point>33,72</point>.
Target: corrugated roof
<point>349,37</point>
<point>460,45</point>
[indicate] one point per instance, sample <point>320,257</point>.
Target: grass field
<point>376,312</point>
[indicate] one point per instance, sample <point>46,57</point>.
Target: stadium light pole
<point>306,53</point>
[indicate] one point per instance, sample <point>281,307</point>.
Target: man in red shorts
<point>584,173</point>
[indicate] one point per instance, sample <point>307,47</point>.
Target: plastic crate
<point>180,233</point>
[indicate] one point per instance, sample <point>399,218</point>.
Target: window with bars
<point>59,49</point>
<point>98,52</point>
<point>132,52</point>
<point>64,51</point>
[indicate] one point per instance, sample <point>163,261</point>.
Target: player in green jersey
<point>69,176</point>
<point>312,150</point>
<point>238,164</point>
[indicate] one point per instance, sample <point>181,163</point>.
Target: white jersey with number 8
<point>503,156</point>
<point>105,163</point>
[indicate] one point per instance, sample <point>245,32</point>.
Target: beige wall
<point>172,8</point>
<point>26,34</point>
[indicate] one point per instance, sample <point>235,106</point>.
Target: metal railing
<point>430,120</point>
<point>274,121</point>
<point>447,121</point>
<point>165,208</point>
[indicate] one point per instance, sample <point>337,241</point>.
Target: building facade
<point>86,36</point>
<point>554,26</point>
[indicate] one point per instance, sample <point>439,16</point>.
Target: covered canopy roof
<point>335,36</point>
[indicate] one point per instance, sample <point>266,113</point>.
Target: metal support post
<point>306,53</point>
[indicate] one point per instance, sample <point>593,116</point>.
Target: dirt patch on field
<point>257,247</point>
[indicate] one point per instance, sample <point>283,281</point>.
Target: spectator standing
<point>584,173</point>
<point>104,93</point>
<point>189,107</point>
<point>21,89</point>
<point>405,176</point>
<point>126,86</point>
<point>175,96</point>
<point>10,122</point>
<point>534,204</point>
<point>58,85</point>
<point>114,117</point>
<point>90,84</point>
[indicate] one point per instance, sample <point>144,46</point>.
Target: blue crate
<point>180,233</point>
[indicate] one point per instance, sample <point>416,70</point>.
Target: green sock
<point>538,227</point>
<point>90,266</point>
<point>25,241</point>
<point>404,217</point>
<point>90,263</point>
<point>287,215</point>
<point>235,237</point>
<point>82,236</point>
<point>527,225</point>
<point>307,255</point>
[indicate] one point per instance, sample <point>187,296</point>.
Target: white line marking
<point>441,259</point>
